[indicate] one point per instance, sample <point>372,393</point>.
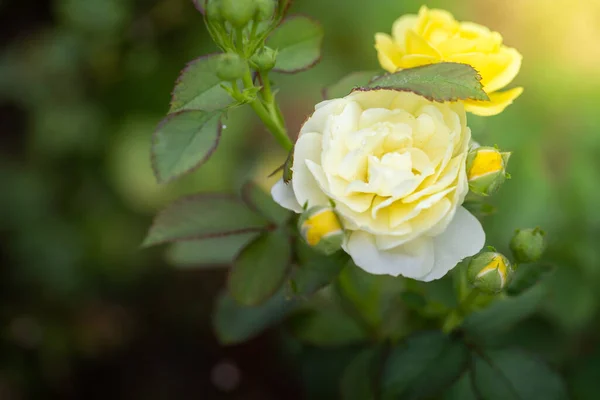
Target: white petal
<point>306,189</point>
<point>323,110</point>
<point>413,260</point>
<point>283,194</point>
<point>464,237</point>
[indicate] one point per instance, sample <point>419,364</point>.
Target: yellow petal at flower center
<point>486,162</point>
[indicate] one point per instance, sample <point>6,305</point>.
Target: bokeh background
<point>86,314</point>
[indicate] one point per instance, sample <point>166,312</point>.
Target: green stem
<point>267,115</point>
<point>239,41</point>
<point>456,316</point>
<point>464,306</point>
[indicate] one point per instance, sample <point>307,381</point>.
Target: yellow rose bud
<point>486,170</point>
<point>489,272</point>
<point>321,228</point>
<point>434,36</point>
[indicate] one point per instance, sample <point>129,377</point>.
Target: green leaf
<point>371,295</point>
<point>358,380</point>
<point>208,252</point>
<point>510,374</point>
<point>298,41</point>
<point>234,323</point>
<point>315,270</point>
<point>527,276</point>
<point>260,269</point>
<point>351,81</point>
<point>183,141</point>
<point>437,82</point>
<point>480,209</point>
<point>582,376</point>
<point>326,327</point>
<point>199,88</point>
<point>503,314</point>
<point>462,389</point>
<point>423,366</point>
<point>203,216</point>
<point>261,202</point>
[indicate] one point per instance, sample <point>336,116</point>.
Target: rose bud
<point>489,272</point>
<point>321,229</point>
<point>264,59</point>
<point>264,9</point>
<point>238,12</point>
<point>486,170</point>
<point>528,245</point>
<point>231,67</point>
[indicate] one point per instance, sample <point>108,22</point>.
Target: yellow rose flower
<point>389,169</point>
<point>434,36</point>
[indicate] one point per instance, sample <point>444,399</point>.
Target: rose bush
<point>393,164</point>
<point>433,36</point>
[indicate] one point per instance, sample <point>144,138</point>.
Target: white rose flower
<point>393,163</point>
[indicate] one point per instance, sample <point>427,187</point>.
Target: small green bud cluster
<point>231,67</point>
<point>264,59</point>
<point>240,12</point>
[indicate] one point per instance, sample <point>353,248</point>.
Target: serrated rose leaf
<point>360,376</point>
<point>510,374</point>
<point>203,216</point>
<point>260,269</point>
<point>351,81</point>
<point>209,252</point>
<point>262,202</point>
<point>183,141</point>
<point>437,82</point>
<point>234,323</point>
<point>423,366</point>
<point>199,88</point>
<point>503,314</point>
<point>327,327</point>
<point>298,42</point>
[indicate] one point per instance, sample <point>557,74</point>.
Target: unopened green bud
<point>528,245</point>
<point>264,59</point>
<point>213,10</point>
<point>486,170</point>
<point>231,67</point>
<point>238,12</point>
<point>264,9</point>
<point>489,272</point>
<point>321,229</point>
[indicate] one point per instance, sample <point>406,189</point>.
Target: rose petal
<point>283,194</point>
<point>306,189</point>
<point>323,110</point>
<point>464,237</point>
<point>498,102</point>
<point>412,261</point>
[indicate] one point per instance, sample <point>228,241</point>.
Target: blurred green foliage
<point>83,84</point>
